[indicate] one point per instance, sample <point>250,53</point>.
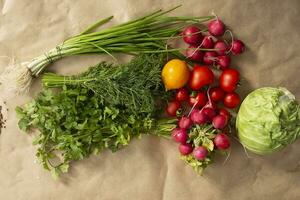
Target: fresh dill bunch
<point>134,85</point>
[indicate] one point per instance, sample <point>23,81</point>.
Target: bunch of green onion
<point>148,34</point>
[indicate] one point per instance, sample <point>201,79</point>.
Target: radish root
<point>231,35</point>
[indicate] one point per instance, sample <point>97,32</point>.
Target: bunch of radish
<point>203,105</point>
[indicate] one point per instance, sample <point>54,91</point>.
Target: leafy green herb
<point>147,34</point>
<point>72,127</point>
<point>103,108</point>
<point>134,85</point>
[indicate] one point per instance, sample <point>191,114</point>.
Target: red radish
<point>199,97</point>
<point>179,135</point>
<point>200,153</point>
<point>207,42</point>
<point>222,141</point>
<point>194,110</point>
<point>231,100</point>
<point>185,149</point>
<point>194,54</point>
<point>222,48</point>
<point>225,113</point>
<point>185,122</point>
<point>224,62</point>
<point>209,57</point>
<point>216,94</point>
<point>182,94</point>
<point>216,27</point>
<point>172,108</point>
<point>192,35</point>
<point>219,121</point>
<point>209,112</point>
<point>238,47</point>
<point>199,117</point>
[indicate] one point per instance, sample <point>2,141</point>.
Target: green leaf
<point>197,165</point>
<point>55,172</point>
<point>24,124</point>
<point>81,98</point>
<point>209,144</point>
<point>64,168</point>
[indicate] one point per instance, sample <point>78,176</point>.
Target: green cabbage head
<point>268,120</point>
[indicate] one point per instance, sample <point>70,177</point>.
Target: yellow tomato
<point>175,74</point>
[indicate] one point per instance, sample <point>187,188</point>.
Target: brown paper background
<point>149,168</point>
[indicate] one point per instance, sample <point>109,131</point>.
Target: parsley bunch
<point>75,123</point>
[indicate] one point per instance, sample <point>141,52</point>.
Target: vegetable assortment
<point>203,122</point>
<point>147,34</point>
<point>108,105</point>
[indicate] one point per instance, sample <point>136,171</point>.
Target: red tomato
<point>225,113</point>
<point>200,76</point>
<point>229,80</point>
<point>216,94</point>
<point>172,108</point>
<point>231,100</point>
<point>200,97</point>
<point>182,94</point>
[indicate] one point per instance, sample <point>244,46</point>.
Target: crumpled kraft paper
<point>149,168</point>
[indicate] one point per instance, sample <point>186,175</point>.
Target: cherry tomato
<point>172,108</point>
<point>216,94</point>
<point>224,112</point>
<point>200,97</point>
<point>229,80</point>
<point>201,76</point>
<point>182,94</point>
<point>231,100</point>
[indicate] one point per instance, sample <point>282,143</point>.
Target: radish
<point>219,121</point>
<point>209,57</point>
<point>179,135</point>
<point>221,141</point>
<point>185,122</point>
<point>222,48</point>
<point>209,112</point>
<point>194,54</point>
<point>199,117</point>
<point>216,27</point>
<point>192,35</point>
<point>207,42</point>
<point>200,153</point>
<point>223,62</point>
<point>225,113</point>
<point>237,47</point>
<point>185,149</point>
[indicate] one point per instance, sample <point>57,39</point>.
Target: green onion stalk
<point>148,34</point>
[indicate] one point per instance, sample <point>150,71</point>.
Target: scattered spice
<point>2,121</point>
